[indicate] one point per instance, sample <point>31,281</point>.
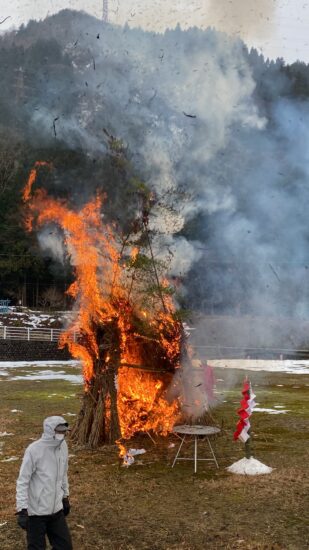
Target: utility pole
<point>105,11</point>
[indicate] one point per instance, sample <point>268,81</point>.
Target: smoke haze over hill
<point>214,130</point>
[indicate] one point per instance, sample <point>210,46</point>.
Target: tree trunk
<point>98,421</point>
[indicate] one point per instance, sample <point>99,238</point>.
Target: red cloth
<point>239,428</point>
<point>242,412</point>
<point>244,403</point>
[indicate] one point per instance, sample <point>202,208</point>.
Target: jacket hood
<point>49,425</point>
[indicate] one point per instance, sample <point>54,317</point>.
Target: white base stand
<point>249,467</point>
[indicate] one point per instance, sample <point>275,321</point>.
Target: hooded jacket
<point>43,480</point>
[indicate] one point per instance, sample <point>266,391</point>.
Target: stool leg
<point>184,437</point>
<point>212,452</point>
<point>195,454</point>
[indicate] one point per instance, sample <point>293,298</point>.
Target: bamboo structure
<point>98,422</point>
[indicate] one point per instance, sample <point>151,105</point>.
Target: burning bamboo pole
<point>98,420</point>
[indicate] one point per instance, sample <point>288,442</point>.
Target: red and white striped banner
<point>247,405</point>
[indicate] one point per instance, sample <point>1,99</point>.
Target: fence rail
<point>212,351</point>
<point>32,334</point>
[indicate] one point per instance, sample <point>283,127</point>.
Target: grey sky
<point>278,28</point>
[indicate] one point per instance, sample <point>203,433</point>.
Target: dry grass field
<point>152,506</point>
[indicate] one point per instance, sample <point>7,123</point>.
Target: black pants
<point>56,529</point>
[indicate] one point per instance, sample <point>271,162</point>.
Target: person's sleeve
<point>65,482</point>
<point>22,485</point>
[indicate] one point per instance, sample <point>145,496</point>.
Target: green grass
<point>152,506</point>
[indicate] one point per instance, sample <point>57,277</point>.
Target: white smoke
<point>185,105</point>
<point>51,242</point>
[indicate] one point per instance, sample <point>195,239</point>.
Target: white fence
<point>31,334</point>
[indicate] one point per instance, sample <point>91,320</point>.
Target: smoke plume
<point>232,170</point>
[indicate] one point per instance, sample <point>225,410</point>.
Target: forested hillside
<point>217,133</point>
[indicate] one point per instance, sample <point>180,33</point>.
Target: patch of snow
<point>33,364</point>
<point>3,523</point>
<point>271,411</point>
<point>51,375</point>
<point>18,313</point>
<point>16,411</point>
<point>10,459</point>
<point>288,365</point>
<point>69,414</point>
<point>249,467</point>
<point>4,434</point>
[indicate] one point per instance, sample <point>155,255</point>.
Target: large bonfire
<point>128,337</point>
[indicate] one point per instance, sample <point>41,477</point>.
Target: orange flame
<point>32,178</point>
<point>101,294</point>
<point>134,253</point>
<point>141,404</point>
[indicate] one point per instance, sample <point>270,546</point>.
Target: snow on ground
<point>53,370</point>
<point>271,411</point>
<point>249,467</point>
<point>24,317</point>
<point>288,366</point>
<point>40,370</point>
<point>33,364</point>
<point>51,375</point>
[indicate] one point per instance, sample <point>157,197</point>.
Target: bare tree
<point>51,297</point>
<point>8,167</point>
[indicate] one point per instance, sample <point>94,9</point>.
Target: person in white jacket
<point>42,490</point>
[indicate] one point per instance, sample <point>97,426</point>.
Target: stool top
<point>196,429</point>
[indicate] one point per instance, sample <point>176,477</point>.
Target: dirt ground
<point>152,506</point>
